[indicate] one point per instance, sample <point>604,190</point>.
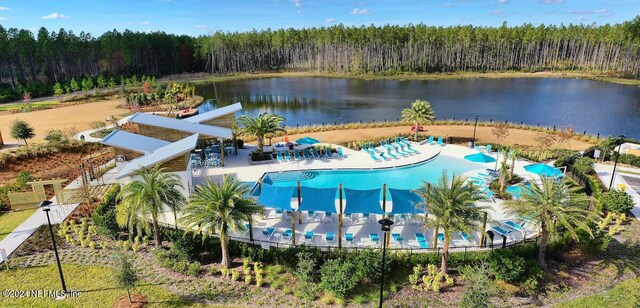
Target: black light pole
<point>386,227</point>
<point>473,141</point>
<point>613,175</point>
<point>45,207</point>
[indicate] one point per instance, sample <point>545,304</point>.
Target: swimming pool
<point>408,177</point>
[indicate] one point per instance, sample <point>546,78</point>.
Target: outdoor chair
<point>340,154</point>
<point>268,232</point>
<point>422,241</point>
<point>329,237</point>
<point>398,239</point>
<point>466,238</point>
<point>374,238</point>
<point>440,141</point>
<point>305,154</point>
<point>503,232</point>
<point>349,238</point>
<point>287,234</point>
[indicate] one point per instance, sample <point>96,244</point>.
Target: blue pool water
<point>409,177</point>
<point>514,190</point>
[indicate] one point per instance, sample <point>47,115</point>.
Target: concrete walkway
<point>87,133</point>
<point>604,173</point>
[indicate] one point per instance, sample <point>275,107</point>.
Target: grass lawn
<point>10,220</point>
<point>36,104</point>
<point>95,283</point>
<point>623,295</point>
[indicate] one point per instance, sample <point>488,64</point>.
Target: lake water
<point>592,106</point>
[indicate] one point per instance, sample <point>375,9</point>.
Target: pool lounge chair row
<point>431,141</point>
<point>508,227</point>
<point>388,150</point>
<point>307,154</point>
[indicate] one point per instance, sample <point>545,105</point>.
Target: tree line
<point>37,61</point>
<point>422,49</point>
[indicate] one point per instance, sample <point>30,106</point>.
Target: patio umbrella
<point>543,170</point>
<point>480,158</point>
<point>307,140</point>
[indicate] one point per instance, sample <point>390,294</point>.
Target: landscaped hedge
<point>104,216</point>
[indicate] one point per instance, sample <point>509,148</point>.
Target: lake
<point>585,105</point>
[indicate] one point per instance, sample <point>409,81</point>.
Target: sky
<point>202,17</point>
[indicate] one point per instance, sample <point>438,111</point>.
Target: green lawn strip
<point>38,104</point>
<point>10,220</point>
<point>624,294</point>
<point>96,285</point>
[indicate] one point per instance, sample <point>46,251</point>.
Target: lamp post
<point>473,141</point>
<point>615,165</point>
<point>385,224</point>
<point>45,207</point>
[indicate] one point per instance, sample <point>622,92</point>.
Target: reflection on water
<point>597,107</point>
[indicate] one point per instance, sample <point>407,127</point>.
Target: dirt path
<point>78,117</point>
<point>483,135</point>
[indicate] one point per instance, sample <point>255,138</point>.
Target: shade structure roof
<point>480,158</point>
<point>405,201</point>
<point>276,197</point>
<point>307,140</point>
<point>543,170</point>
<point>362,201</point>
<point>134,142</point>
<point>318,199</point>
<point>160,155</point>
<point>181,125</point>
<point>216,113</point>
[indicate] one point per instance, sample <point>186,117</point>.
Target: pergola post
<point>221,152</point>
<point>340,219</point>
<point>251,229</point>
<point>262,210</point>
<point>484,228</point>
<point>293,227</point>
<point>299,202</point>
<point>384,210</point>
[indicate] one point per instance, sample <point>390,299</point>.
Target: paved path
<point>604,173</point>
<point>57,214</point>
<point>87,133</point>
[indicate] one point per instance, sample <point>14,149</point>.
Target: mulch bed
<point>137,301</point>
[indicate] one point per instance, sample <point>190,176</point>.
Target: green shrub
<point>337,277</point>
<point>367,264</point>
<point>235,275</point>
<point>22,178</point>
<point>181,266</point>
<point>566,160</point>
<point>507,265</point>
<point>224,271</point>
<point>257,268</point>
<point>478,287</point>
<point>194,269</point>
<point>213,270</point>
<point>104,216</point>
<point>616,201</point>
<point>307,269</point>
<point>583,165</point>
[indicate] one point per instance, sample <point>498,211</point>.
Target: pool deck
<point>239,167</point>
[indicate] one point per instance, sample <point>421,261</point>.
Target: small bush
<point>616,201</point>
<point>194,269</point>
<point>583,165</point>
<point>180,267</point>
<point>224,271</point>
<point>213,270</point>
<point>337,277</point>
<point>235,275</point>
<point>506,265</point>
<point>478,287</point>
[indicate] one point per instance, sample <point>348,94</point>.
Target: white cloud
<point>582,18</point>
<point>330,20</point>
<point>448,4</point>
<point>357,11</point>
<point>297,3</point>
<point>502,1</point>
<point>3,18</point>
<point>496,12</point>
<point>552,1</point>
<point>599,13</point>
<point>55,16</point>
<point>4,8</point>
<point>145,23</point>
<point>201,26</point>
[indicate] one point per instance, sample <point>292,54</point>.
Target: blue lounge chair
<point>279,156</point>
<point>514,225</point>
<point>348,237</point>
<point>286,235</point>
<point>430,141</point>
<point>466,238</point>
<point>305,154</point>
<point>383,156</point>
<point>490,196</point>
<point>440,238</point>
<point>297,155</point>
<point>422,241</point>
<point>374,238</point>
<point>309,235</point>
<point>397,238</point>
<point>287,156</point>
<point>329,154</point>
<point>503,232</point>
<point>440,141</point>
<point>404,141</point>
<point>409,149</point>
<point>340,154</point>
<point>329,237</point>
<point>373,156</point>
<point>329,216</point>
<point>391,154</point>
<point>488,148</point>
<point>364,147</point>
<point>315,153</point>
<point>371,146</point>
<point>268,232</point>
<point>403,153</point>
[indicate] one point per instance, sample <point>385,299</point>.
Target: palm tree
<point>452,204</point>
<point>514,156</point>
<point>419,112</point>
<point>147,196</point>
<point>264,124</point>
<point>553,206</point>
<point>504,169</point>
<point>221,207</point>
